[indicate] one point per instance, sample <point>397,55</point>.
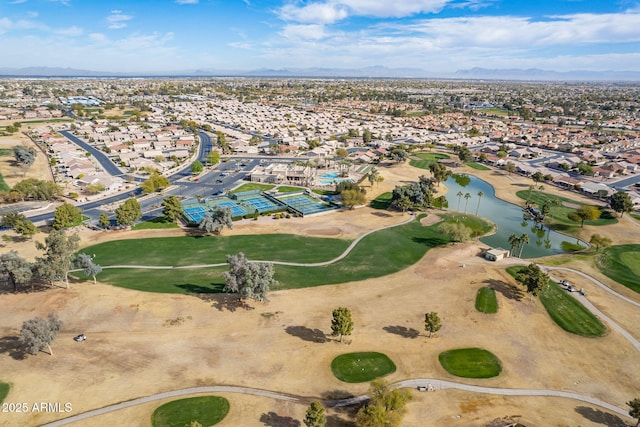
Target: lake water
<point>506,216</point>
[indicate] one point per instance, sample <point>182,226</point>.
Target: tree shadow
<point>380,206</point>
<point>274,420</point>
<point>12,346</point>
<point>224,301</point>
<point>307,334</point>
<point>508,290</point>
<point>600,417</point>
<point>199,289</point>
<point>403,331</point>
<point>336,421</point>
<point>431,242</point>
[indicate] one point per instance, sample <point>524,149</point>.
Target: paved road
<point>412,383</point>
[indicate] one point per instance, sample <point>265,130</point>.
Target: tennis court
<point>194,214</point>
<point>235,209</point>
<point>261,204</point>
<point>305,204</point>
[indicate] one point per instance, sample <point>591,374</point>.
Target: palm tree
<point>514,241</point>
<point>459,194</point>
<point>523,240</point>
<point>467,196</point>
<point>480,194</point>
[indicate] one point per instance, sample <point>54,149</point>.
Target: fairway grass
<point>252,187</point>
<point>622,264</point>
<point>155,224</point>
<point>558,214</point>
<point>4,391</point>
<point>470,363</point>
<point>378,254</point>
<point>566,311</point>
<point>382,202</point>
<point>477,166</point>
<point>426,159</point>
<point>486,301</point>
<point>361,367</point>
<point>207,410</point>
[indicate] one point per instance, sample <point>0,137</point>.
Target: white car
<point>81,337</point>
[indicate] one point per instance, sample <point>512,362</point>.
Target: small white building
<point>496,254</point>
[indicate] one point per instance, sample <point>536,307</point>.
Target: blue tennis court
<point>305,204</point>
<point>261,204</point>
<point>235,209</point>
<point>194,214</point>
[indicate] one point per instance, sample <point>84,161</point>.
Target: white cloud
<point>62,2</point>
<point>118,20</point>
<point>187,1</point>
<point>69,31</point>
<point>317,13</point>
<point>18,1</point>
<point>310,31</point>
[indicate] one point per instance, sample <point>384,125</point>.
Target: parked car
<point>81,337</point>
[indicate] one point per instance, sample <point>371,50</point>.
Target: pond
<point>507,217</point>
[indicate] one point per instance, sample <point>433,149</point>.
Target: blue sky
<point>439,36</point>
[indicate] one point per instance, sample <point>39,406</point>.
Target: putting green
<point>470,363</point>
<point>361,367</point>
<point>207,410</point>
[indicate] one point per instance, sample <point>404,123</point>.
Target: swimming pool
<point>331,179</point>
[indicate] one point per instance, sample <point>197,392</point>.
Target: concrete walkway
<point>412,383</point>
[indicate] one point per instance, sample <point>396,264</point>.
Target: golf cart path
<point>433,384</point>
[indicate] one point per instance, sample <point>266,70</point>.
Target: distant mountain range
<point>531,74</point>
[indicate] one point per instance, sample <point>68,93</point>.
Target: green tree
<point>440,172</point>
<point>399,155</point>
<point>315,416</point>
<point>351,198</point>
<point>24,157</point>
<point>38,334</point>
<point>11,219</point>
<point>459,194</point>
<point>17,269</point>
<point>467,196</point>
<point>585,213</point>
<point>249,279</point>
<point>510,167</point>
<point>372,175</point>
<point>196,167</point>
<point>514,241</point>
<point>85,262</point>
<point>36,189</point>
<point>172,208</point>
<point>533,278</point>
<point>213,158</point>
<point>341,323</point>
<point>432,322</point>
<point>386,407</point>
<point>524,240</point>
<point>599,241</point>
<point>366,136</point>
<point>155,183</point>
<point>463,153</point>
<point>128,212</point>
<point>457,232</point>
<point>621,202</point>
<point>26,228</point>
<point>634,412</point>
<point>216,219</point>
<point>66,215</point>
<point>59,249</point>
<point>341,153</point>
<point>104,220</point>
<point>480,194</point>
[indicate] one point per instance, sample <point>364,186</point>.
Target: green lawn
<point>383,201</point>
<point>470,363</point>
<point>477,166</point>
<point>426,159</point>
<point>478,225</point>
<point>622,264</point>
<point>6,152</point>
<point>399,247</point>
<point>252,187</point>
<point>635,216</point>
<point>3,184</point>
<point>566,311</point>
<point>207,410</point>
<point>361,367</point>
<point>486,301</point>
<point>558,216</point>
<point>289,189</point>
<point>154,224</point>
<point>4,390</point>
